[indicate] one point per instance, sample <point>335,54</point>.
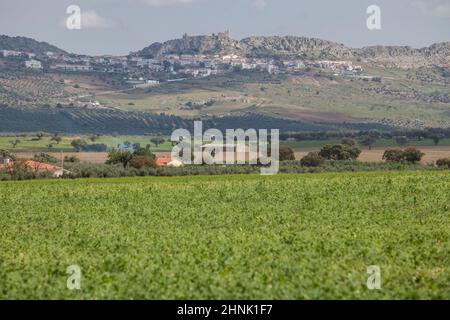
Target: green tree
<point>437,138</point>
<point>402,141</point>
<point>287,154</point>
<point>122,157</point>
<point>394,155</point>
<point>349,141</point>
<point>368,141</point>
<point>6,154</point>
<point>443,163</point>
<point>340,152</point>
<point>40,135</point>
<point>78,144</point>
<point>14,143</point>
<point>142,162</point>
<point>56,138</point>
<point>413,155</point>
<point>312,159</point>
<point>157,141</point>
<point>44,157</point>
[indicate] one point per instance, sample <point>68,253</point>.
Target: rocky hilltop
<point>193,45</point>
<point>302,47</point>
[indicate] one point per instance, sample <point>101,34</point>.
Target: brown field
<point>375,155</point>
<point>91,157</point>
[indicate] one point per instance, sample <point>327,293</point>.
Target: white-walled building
<point>33,64</point>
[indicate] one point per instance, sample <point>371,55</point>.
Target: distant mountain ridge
<point>27,45</point>
<point>291,46</point>
<point>273,46</point>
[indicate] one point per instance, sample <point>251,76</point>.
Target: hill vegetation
<point>27,45</point>
<point>276,46</point>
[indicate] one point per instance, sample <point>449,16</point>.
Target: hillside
<point>295,83</point>
<point>27,45</point>
<point>397,56</point>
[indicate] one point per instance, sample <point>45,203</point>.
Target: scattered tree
<point>340,152</point>
<point>157,141</point>
<point>56,138</point>
<point>368,141</point>
<point>40,135</point>
<point>44,157</point>
<point>71,159</point>
<point>402,141</point>
<point>14,143</point>
<point>349,141</point>
<point>413,155</point>
<point>78,144</point>
<point>443,163</point>
<point>287,154</point>
<point>122,157</point>
<point>142,162</point>
<point>6,154</point>
<point>312,159</point>
<point>437,138</point>
<point>393,155</point>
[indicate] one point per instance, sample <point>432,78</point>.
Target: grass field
<point>29,143</point>
<point>243,237</point>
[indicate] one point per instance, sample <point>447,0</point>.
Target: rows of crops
<point>28,89</point>
<point>287,236</point>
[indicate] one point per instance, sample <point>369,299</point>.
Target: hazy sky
<point>120,26</point>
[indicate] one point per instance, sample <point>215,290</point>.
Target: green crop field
<point>228,237</point>
<point>29,143</point>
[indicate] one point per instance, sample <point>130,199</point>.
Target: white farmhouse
<point>33,64</point>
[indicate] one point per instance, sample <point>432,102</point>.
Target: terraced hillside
<point>396,100</point>
<point>19,89</point>
<point>107,121</point>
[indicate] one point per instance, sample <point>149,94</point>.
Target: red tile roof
<point>34,165</point>
<point>163,162</point>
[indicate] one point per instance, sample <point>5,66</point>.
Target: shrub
<point>142,162</point>
<point>98,147</point>
<point>71,159</point>
<point>443,163</point>
<point>413,155</point>
<point>7,154</point>
<point>312,159</point>
<point>340,152</point>
<point>44,157</point>
<point>287,154</point>
<point>78,144</point>
<point>368,141</point>
<point>119,157</point>
<point>394,155</point>
<point>349,141</point>
<point>402,141</point>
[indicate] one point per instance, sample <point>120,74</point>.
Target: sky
<point>120,26</point>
